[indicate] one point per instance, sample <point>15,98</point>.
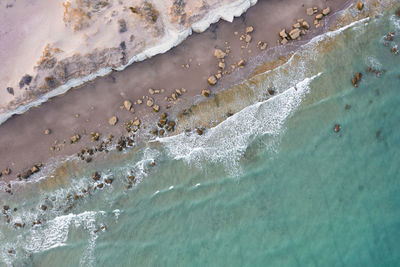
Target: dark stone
<point>43,207</point>
<point>347,107</point>
<point>378,134</point>
<point>271,91</point>
<point>108,181</point>
<point>26,80</point>
<point>5,207</point>
<point>122,45</point>
<point>10,90</point>
<point>100,185</point>
<point>96,176</point>
<point>122,25</point>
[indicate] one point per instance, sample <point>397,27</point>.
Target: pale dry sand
<point>23,142</point>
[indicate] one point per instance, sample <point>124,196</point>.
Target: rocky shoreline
<point>141,113</point>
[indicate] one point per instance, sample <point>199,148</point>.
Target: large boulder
<point>294,34</point>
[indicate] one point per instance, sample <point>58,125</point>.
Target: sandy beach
<point>186,68</point>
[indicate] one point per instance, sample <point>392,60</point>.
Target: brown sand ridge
<point>88,108</point>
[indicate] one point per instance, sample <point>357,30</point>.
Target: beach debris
<point>309,11</point>
<point>113,120</point>
<point>241,63</point>
<point>75,138</point>
<point>262,45</point>
<point>336,128</point>
<point>25,80</point>
<point>10,90</point>
<point>127,105</point>
<point>47,131</point>
<point>212,80</point>
<point>206,92</point>
<point>326,11</point>
<point>7,171</point>
<point>218,53</point>
<point>360,6</point>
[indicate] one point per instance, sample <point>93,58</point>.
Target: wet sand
<point>23,142</point>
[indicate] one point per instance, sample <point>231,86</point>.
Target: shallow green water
<point>290,193</point>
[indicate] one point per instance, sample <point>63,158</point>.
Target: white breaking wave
<point>227,142</point>
<point>171,39</point>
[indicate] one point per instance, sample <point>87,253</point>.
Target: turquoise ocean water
<point>273,185</point>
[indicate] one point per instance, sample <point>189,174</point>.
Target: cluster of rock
<point>301,27</point>
<point>163,125</point>
<point>356,79</point>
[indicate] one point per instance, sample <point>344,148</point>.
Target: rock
<point>10,90</point>
<point>75,138</point>
<point>7,171</point>
<point>122,25</point>
<point>358,76</point>
<point>218,76</point>
<point>294,34</point>
<point>96,176</point>
<point>156,108</point>
<point>43,207</point>
<point>47,131</point>
<point>205,93</point>
<point>113,120</point>
<point>247,38</point>
<point>127,105</point>
<point>354,82</point>
<point>360,6</point>
<point>296,25</point>
<point>212,80</point>
<point>139,101</point>
<point>262,45</point>
<point>100,185</point>
<point>199,131</point>
<point>336,128</point>
<point>35,169</point>
<point>108,181</point>
<point>25,80</point>
<point>305,25</point>
<point>319,17</point>
<point>221,65</point>
<point>309,11</point>
<point>218,53</point>
<point>249,29</point>
<point>5,207</point>
<point>150,102</point>
<point>283,34</point>
<point>241,63</point>
<point>136,123</point>
<point>271,91</point>
<point>326,11</point>
<point>284,41</point>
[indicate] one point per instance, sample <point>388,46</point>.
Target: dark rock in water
<point>347,107</point>
<point>271,91</point>
<point>51,81</point>
<point>5,207</point>
<point>398,12</point>
<point>358,76</point>
<point>108,181</point>
<point>378,134</point>
<point>10,90</point>
<point>26,80</point>
<point>100,185</point>
<point>336,128</point>
<point>17,224</point>
<point>96,176</point>
<point>43,207</point>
